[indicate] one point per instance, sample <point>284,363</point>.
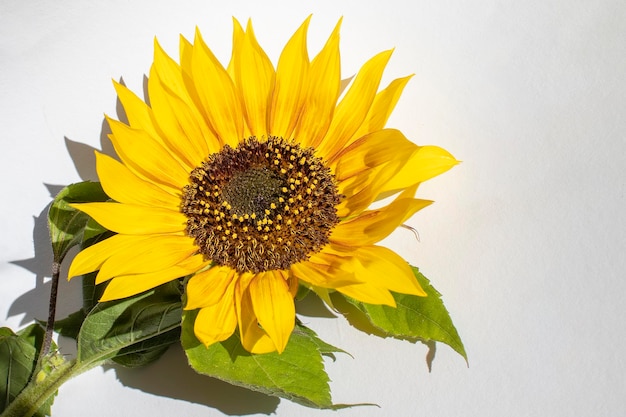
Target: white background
<point>525,241</point>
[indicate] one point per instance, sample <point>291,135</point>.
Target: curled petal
<point>217,322</point>
<point>253,338</point>
<point>208,287</point>
<point>273,306</point>
<point>374,225</point>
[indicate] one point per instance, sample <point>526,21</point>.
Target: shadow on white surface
<point>170,376</point>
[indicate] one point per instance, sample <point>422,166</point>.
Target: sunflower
<point>252,180</point>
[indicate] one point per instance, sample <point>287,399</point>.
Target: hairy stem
<point>47,341</point>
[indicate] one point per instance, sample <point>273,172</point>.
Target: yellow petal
<point>206,288</point>
<point>156,253</point>
<point>185,49</point>
<point>217,94</point>
<point>322,93</point>
<point>273,306</point>
<point>368,293</point>
<point>372,150</point>
<point>123,186</point>
<point>169,72</point>
<point>253,338</point>
<point>366,166</point>
<point>374,225</point>
<point>238,35</point>
<point>129,285</point>
<point>137,112</point>
<point>324,273</point>
<point>382,107</point>
<point>182,133</point>
<point>91,258</point>
<point>362,189</point>
<point>254,75</point>
<point>134,220</point>
<point>217,322</point>
<point>424,163</point>
<point>384,268</point>
<point>291,75</point>
<point>353,108</point>
<point>146,157</point>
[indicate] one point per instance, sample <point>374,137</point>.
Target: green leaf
<point>70,325</point>
<point>113,326</point>
<point>66,224</point>
<point>324,348</point>
<point>415,318</point>
<point>297,374</point>
<point>18,361</point>
<point>147,351</point>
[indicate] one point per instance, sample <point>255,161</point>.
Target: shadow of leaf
<point>184,384</point>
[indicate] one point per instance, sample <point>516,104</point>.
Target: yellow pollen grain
<point>273,206</point>
<point>267,212</point>
<point>234,235</point>
<point>245,228</point>
<point>265,237</point>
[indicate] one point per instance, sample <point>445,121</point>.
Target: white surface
<point>525,240</point>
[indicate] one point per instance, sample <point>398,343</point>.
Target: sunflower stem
<point>47,341</point>
<point>43,386</point>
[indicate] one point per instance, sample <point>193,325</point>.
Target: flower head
<point>253,180</point>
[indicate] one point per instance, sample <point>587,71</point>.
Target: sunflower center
<point>261,206</point>
<point>252,191</point>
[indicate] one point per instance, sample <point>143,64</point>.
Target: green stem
<point>56,269</point>
<point>42,387</point>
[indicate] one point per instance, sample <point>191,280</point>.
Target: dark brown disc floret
<point>263,205</point>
